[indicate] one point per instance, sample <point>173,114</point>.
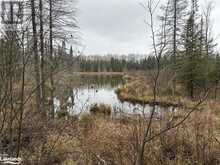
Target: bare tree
<point>42,63</point>
<point>51,58</point>
<point>36,57</point>
<point>159,48</point>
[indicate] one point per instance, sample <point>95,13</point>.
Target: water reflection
<point>100,90</point>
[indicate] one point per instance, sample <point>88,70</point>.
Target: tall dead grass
<point>97,140</point>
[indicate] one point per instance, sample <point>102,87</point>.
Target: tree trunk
<point>22,99</point>
<point>42,57</point>
<point>174,44</point>
<point>36,58</point>
<point>51,61</point>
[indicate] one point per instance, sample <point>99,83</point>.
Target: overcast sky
<point>117,26</point>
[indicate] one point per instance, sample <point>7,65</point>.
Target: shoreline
<point>141,101</point>
<point>100,73</point>
<point>132,90</point>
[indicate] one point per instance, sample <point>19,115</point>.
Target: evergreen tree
<point>189,64</point>
<point>176,17</point>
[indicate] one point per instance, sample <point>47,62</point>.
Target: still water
<point>92,90</point>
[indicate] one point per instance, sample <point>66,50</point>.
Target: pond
<point>100,89</point>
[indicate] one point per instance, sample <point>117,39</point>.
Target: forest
<point>60,106</point>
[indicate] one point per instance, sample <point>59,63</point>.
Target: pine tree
<point>176,17</point>
<point>190,61</point>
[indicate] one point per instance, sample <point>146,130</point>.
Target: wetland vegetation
<point>61,107</point>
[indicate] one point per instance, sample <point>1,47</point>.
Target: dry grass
<point>96,140</point>
<point>138,89</point>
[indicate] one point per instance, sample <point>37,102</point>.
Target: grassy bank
<point>138,89</point>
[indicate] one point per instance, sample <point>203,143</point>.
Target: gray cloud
<point>117,26</point>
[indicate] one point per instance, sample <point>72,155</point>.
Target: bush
<point>101,109</point>
<point>63,114</point>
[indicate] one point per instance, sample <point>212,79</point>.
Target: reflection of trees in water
<point>102,80</point>
<point>65,92</point>
<point>77,99</point>
<point>89,80</point>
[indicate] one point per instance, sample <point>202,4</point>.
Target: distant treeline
<point>110,64</point>
<point>113,65</point>
<point>117,65</point>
